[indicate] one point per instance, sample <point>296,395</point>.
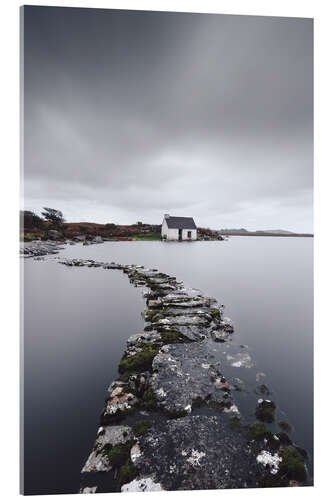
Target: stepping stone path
<point>170,421</point>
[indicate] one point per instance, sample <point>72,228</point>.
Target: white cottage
<point>178,228</point>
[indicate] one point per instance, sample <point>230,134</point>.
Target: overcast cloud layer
<point>130,115</point>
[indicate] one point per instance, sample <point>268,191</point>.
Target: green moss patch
<point>284,438</point>
<point>127,473</point>
<point>177,413</point>
<point>265,411</point>
<point>235,424</point>
<point>119,454</point>
<point>174,337</point>
<point>292,465</point>
<point>141,427</point>
<point>258,431</point>
<point>141,361</point>
<point>151,314</point>
<point>149,399</point>
<point>216,313</point>
<point>148,236</point>
<point>269,481</point>
<point>285,426</point>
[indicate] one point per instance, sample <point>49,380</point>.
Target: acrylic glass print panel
<point>167,251</point>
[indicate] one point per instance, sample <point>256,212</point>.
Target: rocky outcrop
<point>39,248</point>
<point>172,419</point>
<point>53,234</point>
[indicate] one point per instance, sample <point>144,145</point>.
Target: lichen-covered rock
<point>196,320</point>
<point>144,337</point>
<point>118,404</point>
<point>141,485</point>
<point>269,460</point>
<point>240,360</point>
<point>110,435</point>
<point>220,335</point>
<point>197,452</point>
<point>227,325</point>
<point>89,489</point>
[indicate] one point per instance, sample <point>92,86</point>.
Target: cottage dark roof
<point>180,223</point>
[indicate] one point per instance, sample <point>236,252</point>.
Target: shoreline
<point>40,248</point>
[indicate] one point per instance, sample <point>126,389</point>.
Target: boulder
<point>98,239</point>
<point>220,335</point>
<point>53,234</point>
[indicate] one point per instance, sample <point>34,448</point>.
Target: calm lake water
<point>77,320</point>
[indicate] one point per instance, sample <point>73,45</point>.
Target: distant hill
<point>278,231</point>
<point>266,232</point>
<point>234,231</point>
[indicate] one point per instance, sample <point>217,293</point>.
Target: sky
<point>129,115</point>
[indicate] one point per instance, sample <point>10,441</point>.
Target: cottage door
<point>180,235</point>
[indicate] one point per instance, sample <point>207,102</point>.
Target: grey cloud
<point>133,113</point>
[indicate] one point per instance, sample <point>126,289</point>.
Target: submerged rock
<point>240,360</point>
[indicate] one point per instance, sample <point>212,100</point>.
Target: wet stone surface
<point>197,452</point>
<point>175,418</point>
<point>183,375</point>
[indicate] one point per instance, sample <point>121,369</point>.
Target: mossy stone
<point>265,411</point>
<point>216,313</point>
<point>149,399</point>
<point>235,424</point>
<point>142,361</point>
<point>141,427</point>
<point>285,426</point>
<point>284,438</point>
<point>118,454</point>
<point>127,473</point>
<point>292,465</point>
<point>258,431</point>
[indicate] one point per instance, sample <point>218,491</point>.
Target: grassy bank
<point>148,236</point>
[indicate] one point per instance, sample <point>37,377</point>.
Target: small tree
<point>30,220</point>
<point>55,217</point>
